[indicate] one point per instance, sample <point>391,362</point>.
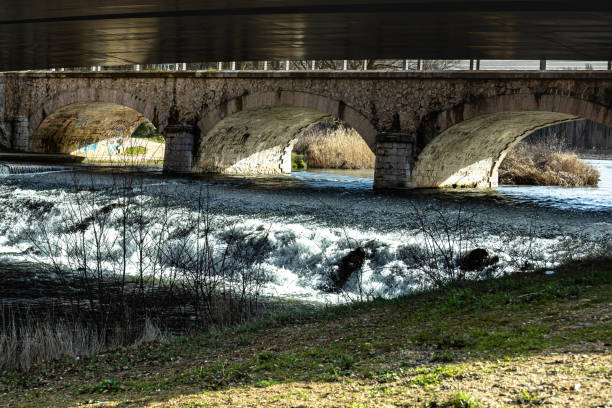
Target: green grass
<point>501,321</point>
<point>136,150</point>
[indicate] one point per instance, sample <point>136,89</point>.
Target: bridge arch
<point>99,132</point>
<point>473,139</point>
<point>84,95</point>
<point>255,133</point>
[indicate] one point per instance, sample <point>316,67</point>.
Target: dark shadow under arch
<point>293,99</point>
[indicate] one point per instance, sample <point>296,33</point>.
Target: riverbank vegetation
<point>146,130</point>
<point>524,340</point>
<point>333,145</point>
<point>546,162</point>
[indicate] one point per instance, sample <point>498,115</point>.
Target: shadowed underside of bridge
<point>76,125</point>
<point>470,153</point>
<point>68,33</point>
<point>255,141</point>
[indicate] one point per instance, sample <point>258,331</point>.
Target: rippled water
<point>576,198</point>
<point>580,198</point>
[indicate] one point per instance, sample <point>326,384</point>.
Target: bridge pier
<point>394,161</point>
<point>21,133</point>
<point>180,140</point>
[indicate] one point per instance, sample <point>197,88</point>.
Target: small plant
<point>346,362</point>
<point>531,398</point>
<point>265,356</point>
<point>298,162</point>
<point>106,386</point>
<point>435,376</point>
<point>265,383</point>
<point>443,357</point>
<point>463,399</point>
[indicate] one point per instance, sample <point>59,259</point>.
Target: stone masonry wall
<point>423,104</point>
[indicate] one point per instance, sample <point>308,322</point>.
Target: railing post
<point>265,67</point>
<point>365,65</point>
<point>543,65</point>
<point>420,65</point>
<point>184,66</point>
<point>313,65</point>
<point>287,67</point>
<point>219,66</point>
<point>233,65</point>
<point>136,67</point>
<point>344,65</point>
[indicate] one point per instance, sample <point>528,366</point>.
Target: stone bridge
<point>427,129</point>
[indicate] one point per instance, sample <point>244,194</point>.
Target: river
<point>311,220</point>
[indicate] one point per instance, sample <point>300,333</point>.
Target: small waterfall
<point>15,168</point>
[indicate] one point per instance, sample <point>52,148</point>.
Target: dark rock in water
<point>477,260</point>
<point>349,264</point>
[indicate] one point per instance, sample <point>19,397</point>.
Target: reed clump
<point>334,146</point>
<point>546,164</point>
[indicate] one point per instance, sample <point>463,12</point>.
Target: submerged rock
<point>477,259</point>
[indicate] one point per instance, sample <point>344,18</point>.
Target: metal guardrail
<point>328,65</point>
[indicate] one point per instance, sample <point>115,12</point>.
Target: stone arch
<point>256,133</point>
<point>473,139</point>
<point>296,99</point>
<point>99,132</point>
<point>83,95</point>
<point>437,122</point>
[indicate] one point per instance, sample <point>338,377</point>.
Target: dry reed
<point>546,164</point>
<point>39,340</point>
<point>335,148</point>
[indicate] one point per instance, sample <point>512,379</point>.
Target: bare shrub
<point>330,145</point>
<point>130,266</point>
<point>442,240</point>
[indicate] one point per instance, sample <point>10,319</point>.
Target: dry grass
<point>519,340</point>
<point>41,341</point>
<point>335,147</point>
<point>546,164</point>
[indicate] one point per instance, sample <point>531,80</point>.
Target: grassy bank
<point>525,340</point>
<point>333,146</point>
<point>546,164</point>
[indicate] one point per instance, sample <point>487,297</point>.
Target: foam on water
<point>307,233</point>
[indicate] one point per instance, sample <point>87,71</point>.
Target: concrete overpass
<point>71,33</point>
<point>426,129</point>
